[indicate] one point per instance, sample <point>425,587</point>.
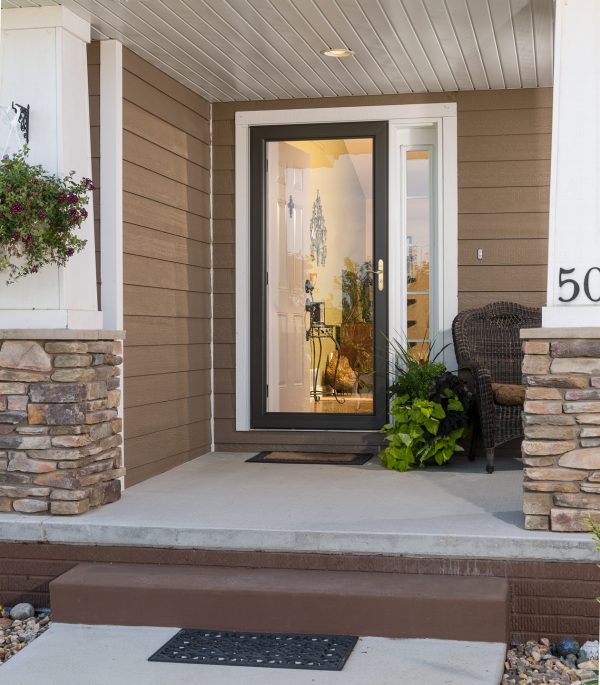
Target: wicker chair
<point>488,350</point>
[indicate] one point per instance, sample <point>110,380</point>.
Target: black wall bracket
<point>23,119</point>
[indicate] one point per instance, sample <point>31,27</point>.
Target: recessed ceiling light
<point>337,52</point>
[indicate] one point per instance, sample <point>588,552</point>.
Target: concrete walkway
<point>218,501</point>
<point>98,655</point>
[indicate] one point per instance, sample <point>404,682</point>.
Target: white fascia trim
<point>443,114</point>
<point>55,16</point>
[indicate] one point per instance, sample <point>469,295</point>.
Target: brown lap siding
<point>167,258</point>
<point>503,178</point>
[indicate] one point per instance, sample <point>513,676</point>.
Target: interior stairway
<point>284,600</point>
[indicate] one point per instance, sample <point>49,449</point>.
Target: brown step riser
<point>283,600</point>
<point>271,612</point>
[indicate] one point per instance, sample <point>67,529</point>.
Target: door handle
<point>379,273</point>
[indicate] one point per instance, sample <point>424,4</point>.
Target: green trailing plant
<point>429,411</point>
<point>40,214</point>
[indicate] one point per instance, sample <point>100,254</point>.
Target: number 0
<point>586,284</point>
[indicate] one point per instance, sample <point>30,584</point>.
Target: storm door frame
<point>259,137</point>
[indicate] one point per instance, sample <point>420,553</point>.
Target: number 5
<point>563,281</point>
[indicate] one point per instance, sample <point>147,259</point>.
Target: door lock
<point>379,273</point>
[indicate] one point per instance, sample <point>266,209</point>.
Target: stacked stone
<point>60,433</point>
<point>561,449</point>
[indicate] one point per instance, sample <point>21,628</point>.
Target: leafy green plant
<point>429,411</point>
<point>39,216</point>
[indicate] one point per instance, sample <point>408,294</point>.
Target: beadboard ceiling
<point>270,49</point>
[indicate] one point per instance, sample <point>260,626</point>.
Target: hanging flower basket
<point>40,215</point>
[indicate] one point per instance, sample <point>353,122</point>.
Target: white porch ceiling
<point>270,49</point>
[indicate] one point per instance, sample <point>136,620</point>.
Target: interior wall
<point>504,142</point>
<point>167,255</point>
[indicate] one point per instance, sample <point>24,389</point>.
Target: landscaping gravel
<point>537,663</point>
<point>16,633</point>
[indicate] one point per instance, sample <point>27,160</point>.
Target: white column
<point>574,240</point>
<point>44,64</point>
<point>111,182</point>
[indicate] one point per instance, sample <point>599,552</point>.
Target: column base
<point>561,447</point>
<point>60,431</point>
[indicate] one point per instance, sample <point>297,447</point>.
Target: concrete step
<point>284,600</point>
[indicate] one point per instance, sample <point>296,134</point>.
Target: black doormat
<point>266,650</point>
<point>343,458</point>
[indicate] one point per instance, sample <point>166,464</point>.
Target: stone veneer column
<point>561,449</point>
<point>60,433</point>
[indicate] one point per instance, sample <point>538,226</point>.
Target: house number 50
<point>574,284</point>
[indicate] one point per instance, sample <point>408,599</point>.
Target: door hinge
<point>267,389</point>
<point>266,166</point>
<point>267,278</point>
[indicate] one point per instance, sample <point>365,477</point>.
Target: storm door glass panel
<point>418,232</point>
<point>320,289</point>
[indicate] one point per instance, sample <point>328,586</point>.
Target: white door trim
<point>444,116</point>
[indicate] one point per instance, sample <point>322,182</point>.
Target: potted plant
<point>429,411</point>
<point>39,216</point>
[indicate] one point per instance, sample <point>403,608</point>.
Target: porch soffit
<point>231,50</point>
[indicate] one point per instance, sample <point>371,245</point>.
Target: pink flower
<point>27,237</point>
<point>84,213</point>
<point>16,235</point>
<point>72,198</point>
<point>42,215</point>
<point>16,207</point>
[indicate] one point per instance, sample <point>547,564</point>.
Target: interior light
<point>337,52</point>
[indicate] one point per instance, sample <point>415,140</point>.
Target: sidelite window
<point>319,299</point>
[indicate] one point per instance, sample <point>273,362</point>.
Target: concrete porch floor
<point>218,501</point>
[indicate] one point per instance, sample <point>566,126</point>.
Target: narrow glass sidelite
<point>418,236</point>
<point>319,276</point>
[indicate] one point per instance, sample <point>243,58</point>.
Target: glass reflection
<point>320,289</point>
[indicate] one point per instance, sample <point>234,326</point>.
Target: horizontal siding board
<point>224,306</point>
<point>503,174</point>
<point>153,100</point>
<point>166,330</point>
<point>155,360</point>
<point>223,230</point>
<point>519,98</point>
<point>502,225</point>
<point>163,274</point>
<point>507,252</point>
<point>145,125</point>
<point>147,242</point>
<point>145,449</point>
<point>150,301</point>
<point>143,390</point>
<point>504,147</point>
<point>502,278</point>
<point>224,256</point>
<point>144,211</point>
<point>166,414</point>
<point>141,181</point>
<point>467,300</point>
<point>494,200</point>
<point>505,122</point>
<point>144,153</point>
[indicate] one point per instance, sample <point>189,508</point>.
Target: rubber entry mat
<point>346,458</point>
<point>266,650</point>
